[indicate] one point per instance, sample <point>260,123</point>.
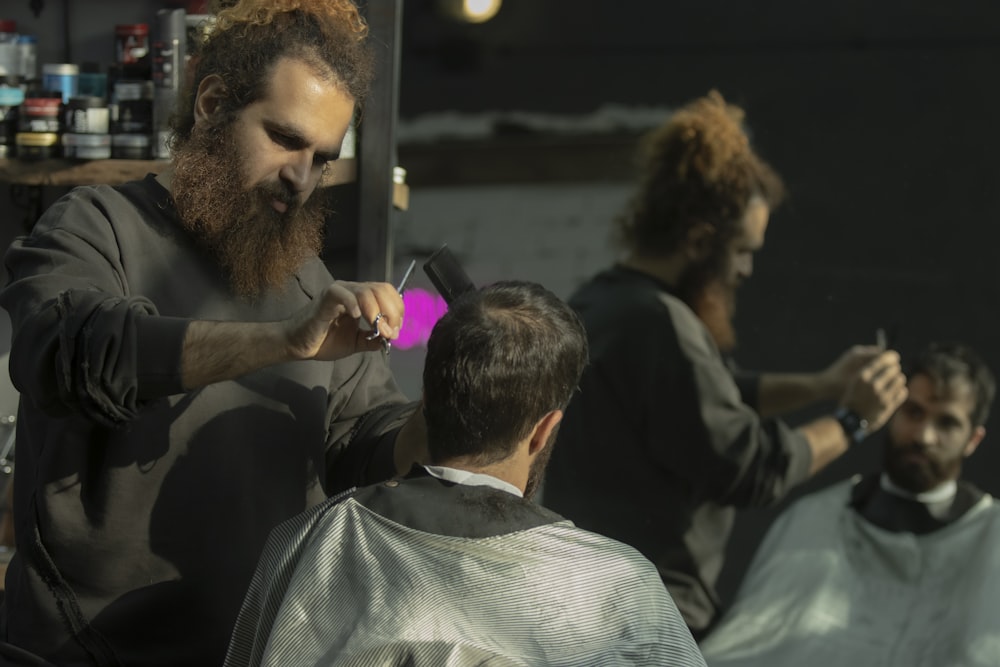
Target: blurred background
<point>517,134</point>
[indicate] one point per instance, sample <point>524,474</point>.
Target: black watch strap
<point>854,425</point>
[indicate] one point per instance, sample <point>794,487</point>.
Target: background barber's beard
<point>918,473</point>
<point>258,248</point>
<point>713,300</point>
<point>715,305</point>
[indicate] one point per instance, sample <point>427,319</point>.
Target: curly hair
<point>696,167</point>
<point>247,37</point>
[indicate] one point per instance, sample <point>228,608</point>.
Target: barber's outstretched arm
<point>874,394</point>
<point>779,393</point>
<point>375,432</point>
<point>334,325</point>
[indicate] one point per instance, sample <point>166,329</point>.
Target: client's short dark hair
<point>499,360</point>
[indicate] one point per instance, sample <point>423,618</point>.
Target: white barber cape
<point>427,573</point>
<point>828,588</point>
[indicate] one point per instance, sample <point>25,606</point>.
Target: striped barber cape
<point>426,573</point>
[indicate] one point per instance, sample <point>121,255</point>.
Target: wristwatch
<point>854,425</point>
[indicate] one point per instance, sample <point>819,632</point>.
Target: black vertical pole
<point>377,143</point>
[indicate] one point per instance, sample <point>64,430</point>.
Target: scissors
<point>399,290</point>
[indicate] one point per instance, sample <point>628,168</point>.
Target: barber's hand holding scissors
<point>348,318</point>
<point>344,319</point>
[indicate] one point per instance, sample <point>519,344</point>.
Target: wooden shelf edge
<point>69,173</point>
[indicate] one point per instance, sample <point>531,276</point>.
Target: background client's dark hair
<point>499,360</point>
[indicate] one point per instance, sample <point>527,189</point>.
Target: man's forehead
<point>299,95</point>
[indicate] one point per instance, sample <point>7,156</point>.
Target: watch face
<point>854,426</point>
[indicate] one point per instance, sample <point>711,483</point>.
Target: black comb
<point>449,278</point>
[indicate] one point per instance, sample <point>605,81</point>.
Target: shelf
<point>69,173</point>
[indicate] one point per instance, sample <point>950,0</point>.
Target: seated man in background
<point>900,567</point>
<point>453,563</point>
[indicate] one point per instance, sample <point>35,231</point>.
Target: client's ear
<point>543,431</point>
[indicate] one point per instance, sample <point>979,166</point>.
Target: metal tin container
<point>63,77</point>
<point>10,103</point>
<point>87,115</point>
<point>131,43</point>
<point>41,114</point>
<point>131,147</point>
<point>37,145</point>
<point>86,146</point>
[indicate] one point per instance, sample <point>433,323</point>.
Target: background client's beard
<point>258,248</point>
<point>915,475</point>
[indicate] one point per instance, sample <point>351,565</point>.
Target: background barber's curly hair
<point>696,167</point>
<point>248,37</point>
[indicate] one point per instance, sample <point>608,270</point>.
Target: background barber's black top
<point>659,445</point>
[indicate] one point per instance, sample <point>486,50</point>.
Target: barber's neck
<point>667,269</point>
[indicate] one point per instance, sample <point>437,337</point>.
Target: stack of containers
<point>169,55</point>
<point>27,51</point>
<point>87,136</point>
<point>131,99</point>
<point>40,120</point>
<point>39,125</point>
<point>133,126</point>
<point>11,99</point>
<point>11,96</point>
<point>10,61</point>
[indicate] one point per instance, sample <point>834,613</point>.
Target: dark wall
<point>880,116</point>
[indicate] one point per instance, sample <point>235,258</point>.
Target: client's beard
<point>712,300</point>
<point>537,471</point>
<point>918,473</point>
<point>258,248</point>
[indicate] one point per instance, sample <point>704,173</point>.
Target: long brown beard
<point>258,248</point>
<point>711,299</point>
<point>715,306</point>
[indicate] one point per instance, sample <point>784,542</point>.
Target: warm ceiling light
<point>470,11</point>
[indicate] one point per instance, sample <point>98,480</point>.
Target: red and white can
<point>131,42</point>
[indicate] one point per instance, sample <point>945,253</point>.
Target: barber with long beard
<point>190,373</point>
<point>662,443</point>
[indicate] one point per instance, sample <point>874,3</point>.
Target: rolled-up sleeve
<point>367,412</point>
<point>80,342</point>
<point>726,449</point>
